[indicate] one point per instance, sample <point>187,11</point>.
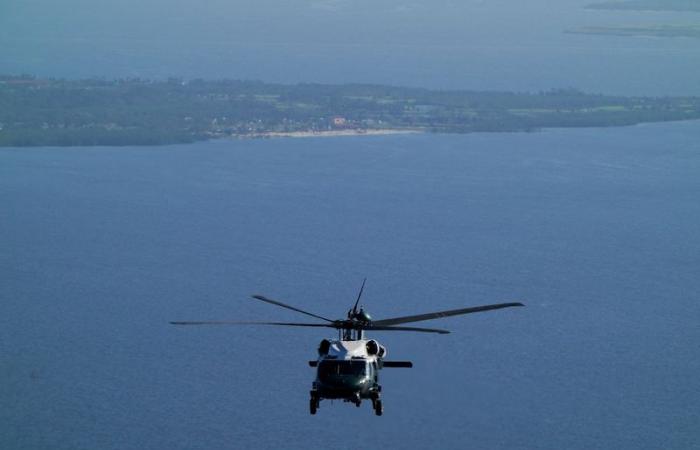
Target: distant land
<point>667,31</point>
<point>50,112</point>
<point>649,5</point>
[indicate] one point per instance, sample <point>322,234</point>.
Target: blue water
<point>471,44</point>
<point>596,230</point>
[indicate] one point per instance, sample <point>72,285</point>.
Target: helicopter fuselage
<point>348,370</point>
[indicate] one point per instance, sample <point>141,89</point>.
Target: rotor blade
<point>389,328</point>
<point>231,322</point>
<point>437,315</point>
<point>354,308</point>
<point>283,305</point>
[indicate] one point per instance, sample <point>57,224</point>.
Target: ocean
<point>595,230</point>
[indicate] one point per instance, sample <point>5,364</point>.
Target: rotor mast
<point>356,317</point>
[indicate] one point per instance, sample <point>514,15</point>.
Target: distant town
<point>55,112</point>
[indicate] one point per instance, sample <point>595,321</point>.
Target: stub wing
<point>402,364</point>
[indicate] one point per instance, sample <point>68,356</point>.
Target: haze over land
<point>662,31</point>
<point>649,5</point>
<point>446,45</point>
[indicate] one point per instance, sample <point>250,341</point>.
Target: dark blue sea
<point>595,230</point>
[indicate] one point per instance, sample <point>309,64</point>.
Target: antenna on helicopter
<point>354,308</point>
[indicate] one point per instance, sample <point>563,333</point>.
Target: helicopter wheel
<point>313,405</point>
<point>378,407</point>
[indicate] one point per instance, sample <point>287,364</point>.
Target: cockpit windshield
<point>336,368</point>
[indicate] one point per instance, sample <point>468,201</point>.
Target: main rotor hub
<point>362,316</point>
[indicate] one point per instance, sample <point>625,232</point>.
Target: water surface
<point>594,229</point>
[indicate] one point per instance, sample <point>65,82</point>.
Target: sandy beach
<point>330,133</point>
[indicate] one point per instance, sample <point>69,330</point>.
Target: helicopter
<point>347,368</point>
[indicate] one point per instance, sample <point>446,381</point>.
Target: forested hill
<point>40,112</point>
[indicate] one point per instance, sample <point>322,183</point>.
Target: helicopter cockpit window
<point>335,368</point>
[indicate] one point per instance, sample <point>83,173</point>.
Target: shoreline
<point>172,112</point>
<point>328,133</point>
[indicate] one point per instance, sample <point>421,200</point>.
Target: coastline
<point>166,112</point>
<point>327,133</point>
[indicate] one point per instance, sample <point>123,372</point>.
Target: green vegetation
<point>691,31</point>
<point>649,5</point>
<point>38,112</point>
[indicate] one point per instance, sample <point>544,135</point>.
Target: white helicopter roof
<point>349,349</point>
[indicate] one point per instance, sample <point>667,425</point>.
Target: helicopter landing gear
<point>314,403</point>
<point>378,407</point>
<point>377,404</point>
